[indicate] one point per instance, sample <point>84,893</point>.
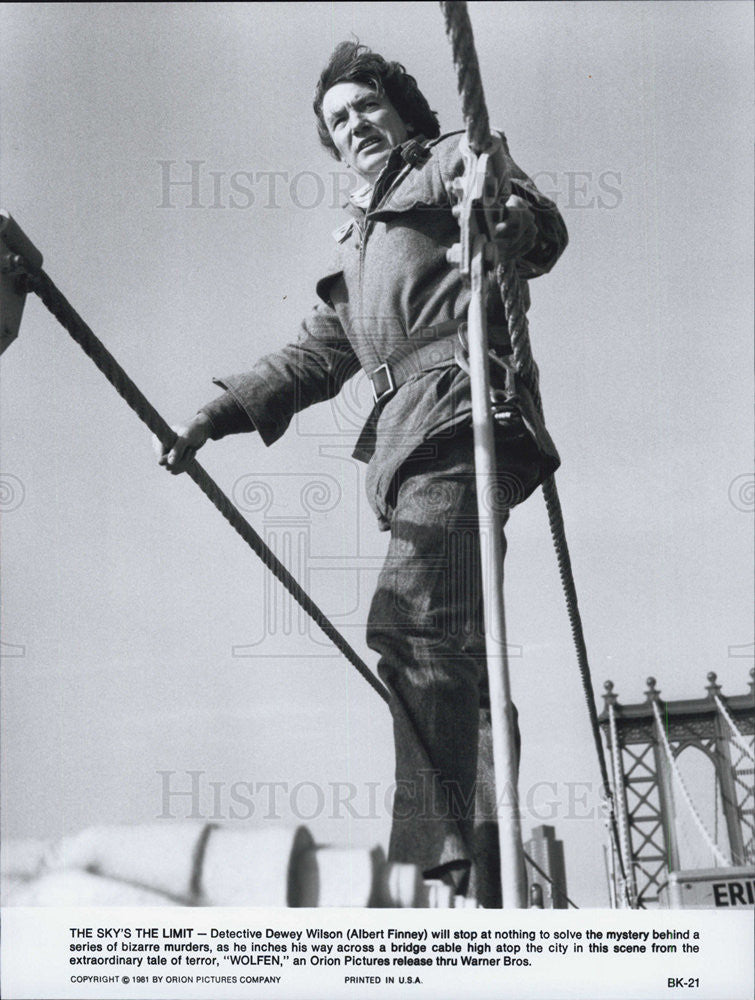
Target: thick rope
<point>459,31</point>
<point>512,296</point>
<point>39,282</point>
<point>468,79</point>
<point>671,760</point>
<point>556,522</point>
<point>737,736</point>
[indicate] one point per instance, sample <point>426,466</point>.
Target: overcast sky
<point>140,635</point>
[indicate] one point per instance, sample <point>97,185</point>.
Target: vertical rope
<point>468,78</point>
<point>474,110</point>
<point>512,296</point>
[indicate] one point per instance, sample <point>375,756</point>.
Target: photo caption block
<point>217,953</point>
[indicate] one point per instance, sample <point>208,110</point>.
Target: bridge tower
<point>645,742</point>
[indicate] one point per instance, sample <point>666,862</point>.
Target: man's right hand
<point>190,439</point>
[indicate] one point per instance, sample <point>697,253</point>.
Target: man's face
<point>363,125</point>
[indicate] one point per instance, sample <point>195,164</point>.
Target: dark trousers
<point>426,622</point>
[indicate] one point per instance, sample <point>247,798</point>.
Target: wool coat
<point>389,282</point>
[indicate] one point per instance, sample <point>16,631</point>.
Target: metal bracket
<point>481,194</point>
<point>16,250</point>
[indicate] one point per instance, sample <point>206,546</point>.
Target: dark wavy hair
<point>355,63</point>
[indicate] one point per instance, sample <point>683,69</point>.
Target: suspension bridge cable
<point>39,281</point>
<point>736,734</point>
<point>672,763</point>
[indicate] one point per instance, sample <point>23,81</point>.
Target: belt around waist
<point>426,349</point>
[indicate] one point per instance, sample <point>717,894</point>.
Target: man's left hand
<point>516,235</point>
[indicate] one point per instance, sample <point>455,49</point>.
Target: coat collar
<point>402,159</point>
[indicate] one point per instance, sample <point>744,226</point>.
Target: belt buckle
<point>377,397</point>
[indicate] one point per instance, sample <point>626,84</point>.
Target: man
<point>392,305</point>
